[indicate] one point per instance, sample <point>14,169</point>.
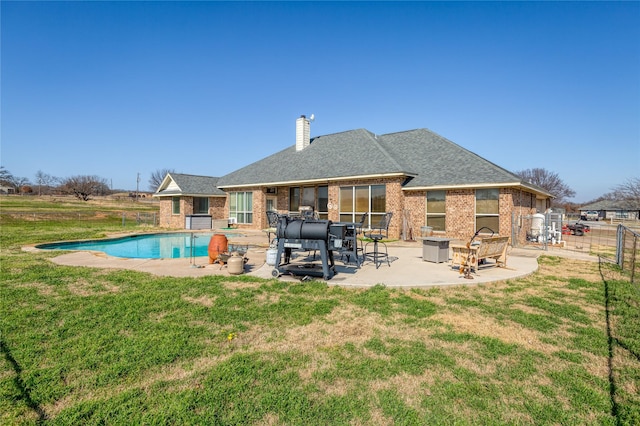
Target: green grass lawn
<point>89,346</point>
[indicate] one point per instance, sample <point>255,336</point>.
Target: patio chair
<point>272,224</point>
<point>377,233</point>
<point>359,230</point>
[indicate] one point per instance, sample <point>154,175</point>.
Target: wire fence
<point>610,240</point>
<point>628,246</point>
<point>123,218</point>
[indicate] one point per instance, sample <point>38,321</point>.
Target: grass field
<point>89,346</point>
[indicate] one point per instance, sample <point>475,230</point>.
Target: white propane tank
<point>537,224</point>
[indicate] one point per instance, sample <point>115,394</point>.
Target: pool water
<point>148,246</point>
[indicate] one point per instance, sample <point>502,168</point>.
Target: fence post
<point>634,257</point>
<point>620,246</point>
<point>123,216</point>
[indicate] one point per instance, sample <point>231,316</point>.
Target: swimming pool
<point>146,246</point>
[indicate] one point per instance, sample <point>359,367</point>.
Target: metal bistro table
<point>435,249</point>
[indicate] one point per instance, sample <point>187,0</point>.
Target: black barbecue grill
<point>295,233</point>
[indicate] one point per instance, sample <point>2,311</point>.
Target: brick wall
<point>414,204</point>
<point>170,220</point>
<point>460,213</point>
<point>460,209</point>
<point>217,210</point>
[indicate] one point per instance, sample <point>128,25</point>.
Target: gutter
<point>320,180</point>
<point>531,188</point>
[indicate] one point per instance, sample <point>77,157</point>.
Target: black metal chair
<point>272,223</point>
<point>359,230</point>
<point>377,233</point>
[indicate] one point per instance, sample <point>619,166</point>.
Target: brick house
<point>184,196</point>
<point>423,178</point>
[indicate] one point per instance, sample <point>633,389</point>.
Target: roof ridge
<point>343,132</point>
<point>189,174</point>
<point>374,139</point>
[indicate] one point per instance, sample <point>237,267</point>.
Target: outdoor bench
<point>489,248</point>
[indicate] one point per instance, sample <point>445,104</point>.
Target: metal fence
<point>124,218</point>
<point>607,239</point>
<point>628,246</point>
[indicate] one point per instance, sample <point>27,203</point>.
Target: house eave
<point>316,181</point>
<point>182,194</point>
<point>480,185</point>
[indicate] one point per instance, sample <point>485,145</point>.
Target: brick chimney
<point>303,133</point>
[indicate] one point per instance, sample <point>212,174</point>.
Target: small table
<point>435,249</point>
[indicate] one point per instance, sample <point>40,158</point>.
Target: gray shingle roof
<point>339,155</point>
<point>425,157</point>
<point>437,161</point>
<point>189,185</point>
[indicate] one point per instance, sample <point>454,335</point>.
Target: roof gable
<point>175,184</point>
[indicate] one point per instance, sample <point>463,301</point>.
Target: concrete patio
<point>407,268</point>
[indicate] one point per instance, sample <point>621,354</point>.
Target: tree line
<point>82,187</point>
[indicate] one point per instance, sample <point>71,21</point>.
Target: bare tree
<point>629,192</point>
<point>548,181</point>
<point>44,179</point>
<point>157,177</point>
<point>21,184</point>
<point>5,176</point>
<point>16,182</point>
<point>84,187</point>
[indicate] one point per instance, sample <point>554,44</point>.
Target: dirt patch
<point>412,388</point>
<point>42,288</point>
<point>203,300</point>
<point>268,298</point>
<point>237,285</point>
<point>473,322</point>
<point>342,325</point>
<point>572,269</point>
<point>84,288</point>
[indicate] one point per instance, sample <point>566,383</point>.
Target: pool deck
<point>407,268</point>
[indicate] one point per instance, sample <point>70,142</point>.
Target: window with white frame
<point>488,209</point>
<point>436,210</point>
<point>356,200</point>
<point>241,206</point>
<point>175,205</point>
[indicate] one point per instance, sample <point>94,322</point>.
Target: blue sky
<point>119,88</point>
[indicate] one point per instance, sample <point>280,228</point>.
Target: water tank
<point>537,224</point>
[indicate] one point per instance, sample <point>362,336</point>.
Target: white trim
<point>313,181</point>
<point>480,186</point>
<point>188,195</point>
